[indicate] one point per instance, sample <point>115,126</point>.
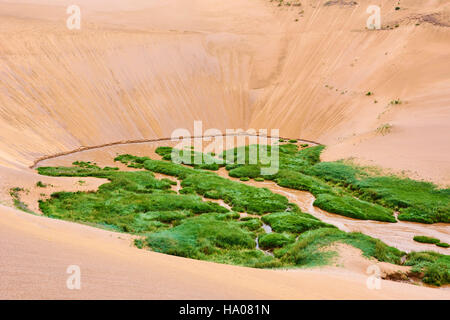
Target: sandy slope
<point>142,68</point>
<point>39,250</point>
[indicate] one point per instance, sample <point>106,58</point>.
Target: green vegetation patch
<point>185,225</point>
<point>239,196</point>
<point>434,267</point>
<point>293,222</point>
<point>190,157</point>
<point>353,208</point>
<point>362,192</point>
<point>305,251</point>
<point>275,240</point>
<point>425,239</point>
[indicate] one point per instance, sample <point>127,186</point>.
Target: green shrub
<point>443,244</point>
<point>239,196</point>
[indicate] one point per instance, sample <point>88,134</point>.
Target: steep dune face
<point>63,89</point>
<point>140,69</point>
<point>333,62</point>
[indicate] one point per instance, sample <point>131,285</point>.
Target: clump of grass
<point>354,208</point>
<point>300,181</point>
<point>275,240</point>
<point>431,240</point>
<point>293,140</point>
<point>293,222</point>
<point>432,266</point>
<point>384,128</point>
<point>252,224</point>
<point>192,158</point>
<point>40,184</point>
<point>244,178</point>
<point>425,239</point>
<point>369,93</point>
<point>201,235</point>
<point>415,200</point>
<point>305,251</point>
<point>15,195</point>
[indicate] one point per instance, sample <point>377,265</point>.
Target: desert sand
<point>140,69</point>
<point>37,251</point>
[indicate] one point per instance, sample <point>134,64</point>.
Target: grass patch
<point>40,184</point>
<point>293,222</point>
<point>353,208</point>
<point>434,267</point>
<point>15,195</point>
<point>302,170</point>
<point>305,251</point>
<point>425,239</point>
<point>275,240</point>
<point>185,225</point>
<point>384,129</point>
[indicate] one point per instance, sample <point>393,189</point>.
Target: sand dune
<point>39,251</point>
<point>140,69</point>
